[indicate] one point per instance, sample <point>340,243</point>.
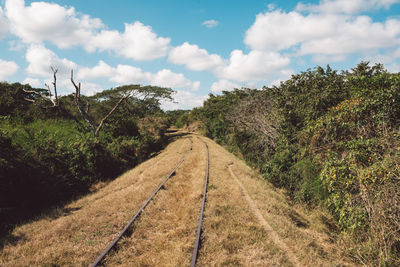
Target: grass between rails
<point>80,231</point>
<point>165,233</point>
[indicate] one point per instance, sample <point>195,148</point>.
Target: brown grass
<point>267,227</point>
<point>77,233</point>
<point>309,235</point>
<point>164,235</point>
<point>232,235</point>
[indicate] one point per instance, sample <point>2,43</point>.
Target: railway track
<point>124,231</point>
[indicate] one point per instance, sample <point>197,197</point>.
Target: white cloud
<point>224,85</point>
<point>40,60</point>
<point>7,68</point>
<point>345,6</point>
<point>278,30</point>
<point>3,23</point>
<point>194,58</point>
<point>321,34</point>
<point>47,21</point>
<point>65,27</point>
<point>33,82</point>
<point>137,42</point>
<point>184,100</point>
<point>210,23</point>
<point>196,85</point>
<point>124,74</point>
<point>101,70</point>
<point>90,89</point>
<point>256,65</point>
<point>129,74</point>
<point>166,78</point>
<point>326,59</point>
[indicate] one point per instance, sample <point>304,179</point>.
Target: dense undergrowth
<point>330,139</point>
<point>48,155</point>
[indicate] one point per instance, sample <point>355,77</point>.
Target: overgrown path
<point>247,222</point>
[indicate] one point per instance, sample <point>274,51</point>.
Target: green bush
<point>337,145</point>
<point>49,156</point>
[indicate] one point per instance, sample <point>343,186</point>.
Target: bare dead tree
<point>85,113</point>
<point>255,115</point>
<point>49,96</point>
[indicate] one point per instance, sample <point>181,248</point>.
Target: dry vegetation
<point>165,233</point>
<point>234,236</point>
<point>77,233</point>
<point>233,232</point>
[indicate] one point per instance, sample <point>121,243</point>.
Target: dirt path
<point>272,234</point>
<point>247,222</point>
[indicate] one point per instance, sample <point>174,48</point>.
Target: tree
<point>32,94</point>
<point>256,116</point>
<point>133,93</point>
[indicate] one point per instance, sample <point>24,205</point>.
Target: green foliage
<point>179,118</point>
<point>48,155</point>
<point>307,96</point>
<point>337,145</point>
<point>214,112</point>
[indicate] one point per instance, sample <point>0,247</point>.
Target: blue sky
<point>195,47</point>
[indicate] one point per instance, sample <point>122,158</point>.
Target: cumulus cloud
<point>210,23</point>
<point>137,42</point>
<point>129,74</point>
<point>47,21</point>
<point>33,82</point>
<point>102,69</point>
<point>256,65</point>
<point>184,100</point>
<point>345,6</point>
<point>65,27</point>
<point>124,74</point>
<point>3,23</point>
<point>321,34</point>
<point>166,78</point>
<point>195,85</point>
<point>91,88</point>
<point>40,60</point>
<point>7,68</point>
<point>194,58</point>
<point>224,85</point>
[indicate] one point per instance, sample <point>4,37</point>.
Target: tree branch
<point>79,105</point>
<point>55,83</point>
<point>111,112</point>
<point>49,97</point>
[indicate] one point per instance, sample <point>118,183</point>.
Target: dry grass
<point>76,234</point>
<point>165,233</point>
<point>309,235</point>
<point>267,227</point>
<point>234,234</point>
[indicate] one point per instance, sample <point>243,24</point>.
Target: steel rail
<point>114,242</point>
<point>198,235</point>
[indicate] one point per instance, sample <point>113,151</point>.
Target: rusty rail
<point>198,235</point>
<point>115,241</point>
